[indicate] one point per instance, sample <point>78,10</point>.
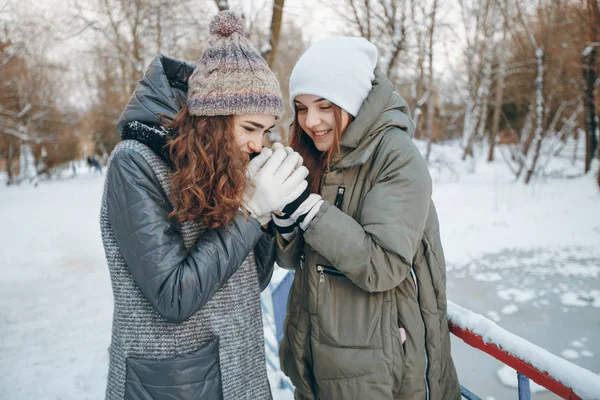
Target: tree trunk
<point>598,155</point>
<point>431,100</point>
<point>589,76</point>
<point>499,97</point>
<point>9,165</point>
<point>479,112</point>
<point>539,113</point>
<point>275,31</point>
<point>471,116</point>
<point>28,171</point>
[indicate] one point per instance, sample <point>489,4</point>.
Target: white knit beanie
<point>339,69</point>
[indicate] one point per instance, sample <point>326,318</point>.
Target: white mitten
<point>257,162</point>
<point>288,150</point>
<point>273,182</point>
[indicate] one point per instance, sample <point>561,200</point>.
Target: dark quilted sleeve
<point>177,282</point>
<point>264,254</point>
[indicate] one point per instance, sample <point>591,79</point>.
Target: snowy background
<point>527,257</point>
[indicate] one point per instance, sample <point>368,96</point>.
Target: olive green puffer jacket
<point>368,268</point>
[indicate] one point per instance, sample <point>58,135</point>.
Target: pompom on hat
<point>226,24</point>
<point>231,77</point>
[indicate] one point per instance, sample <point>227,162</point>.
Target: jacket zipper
<point>414,276</point>
<point>327,269</point>
<point>339,198</point>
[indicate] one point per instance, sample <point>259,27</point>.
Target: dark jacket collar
<point>155,137</point>
<point>158,93</point>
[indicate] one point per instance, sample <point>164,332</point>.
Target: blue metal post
<point>524,392</point>
<point>280,296</point>
<point>467,394</point>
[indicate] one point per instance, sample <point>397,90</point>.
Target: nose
<point>312,119</point>
<point>255,144</point>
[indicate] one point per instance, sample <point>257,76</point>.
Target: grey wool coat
<point>187,320</point>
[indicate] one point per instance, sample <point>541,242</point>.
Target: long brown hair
<point>209,179</point>
<point>316,161</point>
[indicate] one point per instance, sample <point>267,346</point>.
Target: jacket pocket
<point>194,375</point>
<point>348,316</point>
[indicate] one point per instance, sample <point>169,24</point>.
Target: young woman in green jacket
<point>367,308</point>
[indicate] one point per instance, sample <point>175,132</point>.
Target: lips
<point>320,135</point>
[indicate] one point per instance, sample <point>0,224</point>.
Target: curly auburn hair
<point>315,160</point>
<point>209,179</point>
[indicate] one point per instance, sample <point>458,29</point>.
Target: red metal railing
<point>541,378</point>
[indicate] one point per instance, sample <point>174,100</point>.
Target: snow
<point>581,299</point>
<point>520,245</point>
<point>585,384</point>
<point>517,295</point>
<point>569,354</point>
<point>494,316</point>
<point>508,377</point>
<point>489,277</point>
<point>509,309</point>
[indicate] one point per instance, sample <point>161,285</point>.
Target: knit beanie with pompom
<point>231,77</point>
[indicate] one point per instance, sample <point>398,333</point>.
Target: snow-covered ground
<point>526,257</point>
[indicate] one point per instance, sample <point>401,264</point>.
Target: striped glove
<point>299,212</point>
<point>285,226</point>
<point>303,209</point>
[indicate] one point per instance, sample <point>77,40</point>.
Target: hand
<point>300,211</point>
<point>288,150</point>
<point>273,182</point>
<point>258,161</point>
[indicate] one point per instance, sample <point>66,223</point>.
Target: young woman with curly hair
<point>181,221</point>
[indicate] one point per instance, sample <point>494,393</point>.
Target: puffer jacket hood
<point>382,109</point>
<point>158,93</point>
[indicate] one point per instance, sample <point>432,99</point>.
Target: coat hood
<point>382,109</point>
<point>159,92</point>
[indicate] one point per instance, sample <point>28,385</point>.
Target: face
<point>250,129</point>
<point>316,118</point>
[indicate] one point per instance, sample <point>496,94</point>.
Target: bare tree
<point>500,77</point>
<point>32,114</point>
<point>479,21</point>
<point>126,36</point>
<point>543,23</point>
<point>589,75</point>
<point>430,103</point>
<point>270,52</point>
<point>419,92</point>
<point>383,22</point>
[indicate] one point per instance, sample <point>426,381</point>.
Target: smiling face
<point>249,131</point>
<point>317,119</point>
